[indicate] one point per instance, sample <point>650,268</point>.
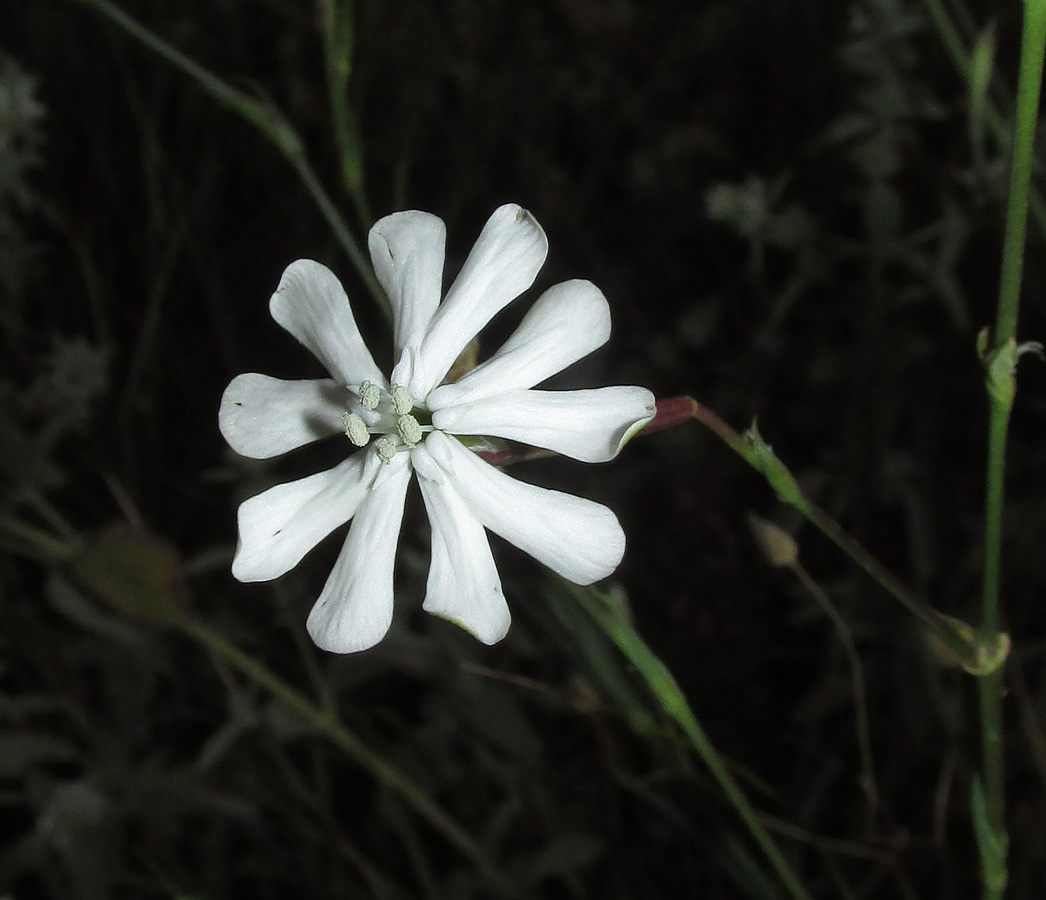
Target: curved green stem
<point>338,25</point>
<point>864,734</point>
<point>325,723</point>
<point>614,621</point>
<point>269,121</point>
<point>34,543</point>
<point>977,653</point>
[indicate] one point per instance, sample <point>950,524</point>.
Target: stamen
<point>370,393</point>
<point>402,401</point>
<point>356,429</point>
<point>386,448</point>
<point>409,430</point>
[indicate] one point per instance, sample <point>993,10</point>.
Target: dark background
<point>794,217</point>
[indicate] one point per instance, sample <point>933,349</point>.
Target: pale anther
<point>370,393</point>
<point>386,448</point>
<point>356,429</point>
<point>409,430</point>
<point>402,401</point>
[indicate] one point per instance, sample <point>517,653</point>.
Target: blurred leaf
<point>982,67</point>
<point>71,603</point>
<point>562,855</point>
<point>496,715</point>
<point>80,824</point>
<point>136,573</point>
<point>22,751</point>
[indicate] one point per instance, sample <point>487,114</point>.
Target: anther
<point>386,448</point>
<point>356,429</point>
<point>370,393</point>
<point>402,401</point>
<point>409,430</point>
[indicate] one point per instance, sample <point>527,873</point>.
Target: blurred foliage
<point>795,211</point>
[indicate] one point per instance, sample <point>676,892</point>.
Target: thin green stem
<point>341,231</point>
<point>338,25</point>
<point>997,124</point>
<point>1029,82</point>
<point>1001,382</point>
<point>864,738</point>
<point>268,120</point>
<point>29,541</point>
<point>991,687</point>
<point>325,723</point>
<point>617,626</point>
<point>978,654</point>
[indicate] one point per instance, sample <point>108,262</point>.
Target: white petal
<point>463,584</point>
<point>355,609</point>
<point>503,263</point>
<point>279,526</point>
<point>407,251</point>
<point>579,539</point>
<point>566,323</point>
<point>591,426</point>
<point>311,304</point>
<point>262,417</point>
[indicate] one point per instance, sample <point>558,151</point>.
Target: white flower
<point>414,423</point>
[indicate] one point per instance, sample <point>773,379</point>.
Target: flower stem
<point>864,737</point>
<point>348,743</point>
<point>977,653</point>
<point>1001,382</point>
<point>268,120</point>
<point>615,622</point>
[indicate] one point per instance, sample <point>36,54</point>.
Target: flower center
<point>388,414</point>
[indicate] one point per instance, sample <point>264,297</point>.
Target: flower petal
<point>579,539</point>
<point>407,250</point>
<point>503,263</point>
<point>279,526</point>
<point>566,323</point>
<point>463,584</point>
<point>311,304</point>
<point>591,426</point>
<point>262,417</point>
<point>354,610</point>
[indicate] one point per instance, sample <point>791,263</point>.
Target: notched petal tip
<point>261,417</point>
<point>311,304</point>
<point>300,276</point>
<point>486,632</point>
<point>650,403</point>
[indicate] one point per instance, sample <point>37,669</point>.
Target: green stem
<point>978,654</point>
<point>1001,363</point>
<point>1029,82</point>
<point>864,735</point>
<point>30,541</point>
<point>990,688</point>
<point>269,121</point>
<point>616,624</point>
<point>995,120</point>
<point>325,723</point>
<point>337,23</point>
